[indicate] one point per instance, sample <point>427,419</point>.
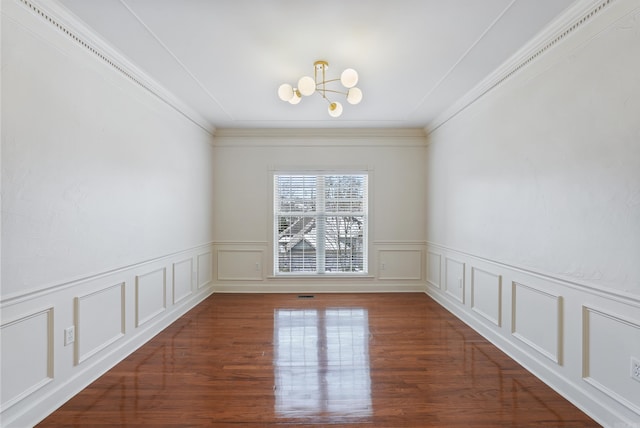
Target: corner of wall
<point>112,314</point>
<point>578,340</point>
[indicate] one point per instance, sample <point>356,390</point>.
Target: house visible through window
<point>320,223</point>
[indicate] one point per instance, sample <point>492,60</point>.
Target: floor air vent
<point>306,296</point>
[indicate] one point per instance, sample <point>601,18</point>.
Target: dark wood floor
<point>381,360</point>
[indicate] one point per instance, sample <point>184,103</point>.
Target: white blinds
<point>321,223</point>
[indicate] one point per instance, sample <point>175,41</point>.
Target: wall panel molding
<point>611,294</point>
<point>99,320</point>
<point>400,264</point>
<point>544,334</point>
<point>237,264</point>
<point>102,310</point>
<point>486,295</point>
<point>182,280</point>
<point>151,295</point>
<point>27,356</point>
<point>58,287</point>
<point>575,339</point>
<point>243,267</point>
<point>204,269</point>
<point>606,363</point>
<point>434,269</point>
<point>454,278</point>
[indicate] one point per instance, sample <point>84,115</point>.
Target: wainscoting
<point>246,267</point>
<point>110,315</point>
<point>579,340</point>
<point>389,360</point>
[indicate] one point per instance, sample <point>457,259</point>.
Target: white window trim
<point>272,260</point>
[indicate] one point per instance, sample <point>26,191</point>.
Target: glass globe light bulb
<point>349,78</point>
<point>354,96</point>
<point>306,85</point>
<point>285,92</point>
<point>296,98</point>
<point>335,109</point>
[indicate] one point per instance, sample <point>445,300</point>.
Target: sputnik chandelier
<point>318,84</point>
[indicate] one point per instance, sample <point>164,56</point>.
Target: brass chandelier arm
<point>335,92</point>
<point>321,88</point>
<point>327,81</point>
<point>307,86</point>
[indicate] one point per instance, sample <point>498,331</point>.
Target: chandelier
<point>318,84</point>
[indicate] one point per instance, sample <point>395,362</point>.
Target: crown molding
<point>61,20</point>
<point>556,32</point>
<point>310,133</point>
<point>320,137</point>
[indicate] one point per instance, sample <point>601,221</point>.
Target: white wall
<point>106,214</point>
<point>530,195</point>
<point>242,224</point>
<point>533,225</point>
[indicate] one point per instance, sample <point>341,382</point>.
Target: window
<point>320,223</point>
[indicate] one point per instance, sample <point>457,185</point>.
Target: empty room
<point>419,213</point>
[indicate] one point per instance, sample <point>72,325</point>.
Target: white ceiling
<point>225,59</point>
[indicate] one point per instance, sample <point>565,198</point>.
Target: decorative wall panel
<point>240,265</point>
<point>454,279</point>
<point>542,333</point>
<point>400,264</point>
<point>26,355</point>
<point>99,320</point>
<point>434,269</point>
<point>611,344</point>
<point>486,295</point>
<point>182,279</point>
<point>205,269</point>
<point>151,295</point>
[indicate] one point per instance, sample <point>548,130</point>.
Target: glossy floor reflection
<point>321,363</point>
<point>338,360</point>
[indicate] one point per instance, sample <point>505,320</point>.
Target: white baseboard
<point>43,371</point>
<point>568,352</point>
<point>327,287</point>
<point>542,323</point>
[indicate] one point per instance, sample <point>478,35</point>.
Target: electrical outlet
<point>69,335</point>
<point>635,369</point>
<point>257,267</point>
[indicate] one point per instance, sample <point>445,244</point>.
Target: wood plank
<point>384,360</point>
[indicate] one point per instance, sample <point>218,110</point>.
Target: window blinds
<point>321,223</point>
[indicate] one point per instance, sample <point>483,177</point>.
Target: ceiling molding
<point>74,29</point>
<point>176,59</point>
<point>321,132</point>
<point>325,137</point>
<point>556,32</point>
<point>463,56</point>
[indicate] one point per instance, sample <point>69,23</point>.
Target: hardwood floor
<point>382,360</point>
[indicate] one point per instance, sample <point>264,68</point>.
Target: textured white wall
<point>544,171</point>
<point>534,189</point>
<point>97,173</point>
<point>396,185</point>
<point>244,164</point>
<point>107,214</point>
